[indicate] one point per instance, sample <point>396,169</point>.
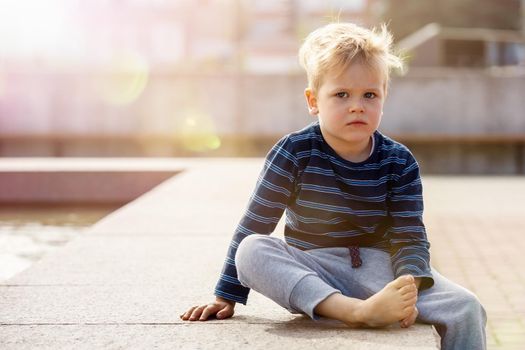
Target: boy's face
<point>349,106</point>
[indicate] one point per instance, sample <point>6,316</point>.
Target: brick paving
<point>476,229</point>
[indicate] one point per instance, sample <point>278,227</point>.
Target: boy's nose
<point>356,107</point>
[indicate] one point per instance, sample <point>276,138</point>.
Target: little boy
<point>356,248</point>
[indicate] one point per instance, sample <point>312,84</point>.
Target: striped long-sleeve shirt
<point>332,202</point>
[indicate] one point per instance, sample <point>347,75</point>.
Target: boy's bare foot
<point>395,302</point>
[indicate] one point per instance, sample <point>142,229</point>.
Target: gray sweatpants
<point>299,280</point>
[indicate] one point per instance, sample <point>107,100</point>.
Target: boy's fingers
<point>187,314</point>
<point>197,312</point>
<point>210,309</point>
<point>225,312</point>
<point>221,313</point>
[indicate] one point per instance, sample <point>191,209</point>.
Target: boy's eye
<point>342,94</point>
<point>370,95</point>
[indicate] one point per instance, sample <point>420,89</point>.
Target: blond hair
<point>336,45</point>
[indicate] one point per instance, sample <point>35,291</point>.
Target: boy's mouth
<point>357,122</point>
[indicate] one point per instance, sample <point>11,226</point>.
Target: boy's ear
<point>311,100</point>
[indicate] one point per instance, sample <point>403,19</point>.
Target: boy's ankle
<point>354,313</point>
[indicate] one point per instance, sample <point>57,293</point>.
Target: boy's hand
<point>221,307</point>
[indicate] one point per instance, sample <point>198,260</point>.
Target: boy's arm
<point>408,239</point>
<point>272,193</point>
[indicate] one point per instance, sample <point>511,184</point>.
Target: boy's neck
<point>354,153</point>
<point>359,153</point>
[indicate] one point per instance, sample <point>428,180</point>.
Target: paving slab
<point>130,260</point>
<point>125,282</point>
<point>188,203</point>
<point>141,304</point>
<point>208,336</point>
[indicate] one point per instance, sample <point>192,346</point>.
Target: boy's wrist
<point>231,302</point>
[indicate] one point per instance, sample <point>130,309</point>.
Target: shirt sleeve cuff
<point>237,298</point>
<point>427,281</point>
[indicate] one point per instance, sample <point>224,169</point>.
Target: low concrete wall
<point>456,102</point>
<point>82,181</point>
<point>452,101</point>
<point>77,187</point>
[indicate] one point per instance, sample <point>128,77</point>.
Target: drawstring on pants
<point>355,256</point>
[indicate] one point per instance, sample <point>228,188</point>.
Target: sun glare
<point>34,27</point>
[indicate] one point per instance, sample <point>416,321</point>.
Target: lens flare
<point>197,132</point>
<point>126,80</point>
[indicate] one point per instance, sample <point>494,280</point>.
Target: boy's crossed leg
<point>321,282</point>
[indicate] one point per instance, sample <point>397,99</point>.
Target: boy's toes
<point>407,311</point>
<point>408,289</point>
<point>410,319</point>
<point>409,278</point>
<point>402,281</point>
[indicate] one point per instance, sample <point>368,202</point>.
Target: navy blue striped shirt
<point>332,202</point>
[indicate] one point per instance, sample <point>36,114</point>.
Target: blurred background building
<point>221,78</point>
